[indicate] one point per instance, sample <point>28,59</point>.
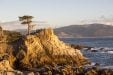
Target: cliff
<point>34,52</point>
<point>44,47</point>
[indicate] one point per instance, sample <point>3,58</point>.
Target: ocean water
<point>103,47</point>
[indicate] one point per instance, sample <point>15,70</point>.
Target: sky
<point>56,12</point>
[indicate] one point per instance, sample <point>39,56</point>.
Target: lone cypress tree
<point>27,20</point>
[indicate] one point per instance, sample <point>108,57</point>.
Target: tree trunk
<point>28,29</point>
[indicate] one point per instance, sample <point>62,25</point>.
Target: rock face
<point>44,47</point>
<point>5,65</point>
<point>39,53</point>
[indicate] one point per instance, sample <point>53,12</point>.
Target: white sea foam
<point>107,67</point>
<point>111,52</point>
<point>102,50</point>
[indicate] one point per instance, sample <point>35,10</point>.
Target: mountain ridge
<point>86,30</point>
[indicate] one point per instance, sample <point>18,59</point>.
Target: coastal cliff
<point>41,48</point>
<point>44,47</point>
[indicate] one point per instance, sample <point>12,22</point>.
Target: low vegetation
<point>12,35</point>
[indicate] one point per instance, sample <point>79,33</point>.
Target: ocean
<point>103,47</point>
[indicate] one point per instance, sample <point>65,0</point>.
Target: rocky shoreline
<point>66,69</point>
<point>42,53</point>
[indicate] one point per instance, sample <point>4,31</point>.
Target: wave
<point>100,49</point>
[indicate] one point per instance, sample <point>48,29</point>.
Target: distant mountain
<point>86,30</point>
<point>89,30</point>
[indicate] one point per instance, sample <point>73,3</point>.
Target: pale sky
<point>56,12</point>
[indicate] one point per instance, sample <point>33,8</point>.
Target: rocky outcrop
<point>44,47</point>
<point>42,53</point>
<point>39,53</point>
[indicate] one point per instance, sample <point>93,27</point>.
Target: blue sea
<point>103,46</point>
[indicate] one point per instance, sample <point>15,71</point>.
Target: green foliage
<point>27,20</point>
<point>25,17</point>
<point>12,35</point>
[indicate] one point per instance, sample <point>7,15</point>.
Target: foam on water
<point>102,53</point>
<point>107,67</point>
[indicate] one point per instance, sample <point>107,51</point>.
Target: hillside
<point>89,30</point>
